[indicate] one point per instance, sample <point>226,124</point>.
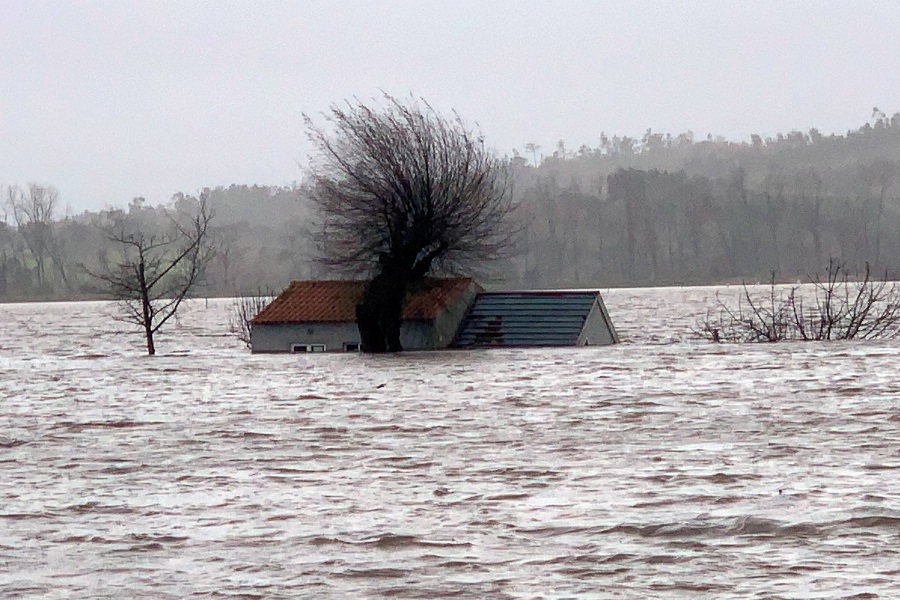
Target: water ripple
<point>660,468</point>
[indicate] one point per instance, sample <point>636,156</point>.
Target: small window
<point>307,347</point>
<point>351,346</point>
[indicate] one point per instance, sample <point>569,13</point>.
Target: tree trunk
<point>379,315</point>
<point>146,309</point>
<point>3,275</point>
<point>151,348</point>
<point>370,334</point>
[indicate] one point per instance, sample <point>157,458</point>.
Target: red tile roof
<point>335,301</point>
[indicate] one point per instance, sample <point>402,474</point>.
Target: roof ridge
<point>335,300</point>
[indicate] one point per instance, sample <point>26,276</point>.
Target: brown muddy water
<point>665,467</point>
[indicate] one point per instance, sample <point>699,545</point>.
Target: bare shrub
<point>838,307</point>
<point>244,308</point>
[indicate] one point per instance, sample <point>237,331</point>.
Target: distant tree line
<point>668,210</point>
<point>260,240</point>
<point>655,210</point>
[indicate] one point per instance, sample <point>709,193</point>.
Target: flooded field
<point>664,467</point>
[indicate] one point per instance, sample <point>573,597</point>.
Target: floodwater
<point>665,467</point>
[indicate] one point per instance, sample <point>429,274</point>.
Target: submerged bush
<point>839,307</point>
<point>244,308</point>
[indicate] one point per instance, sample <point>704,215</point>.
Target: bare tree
<point>33,212</point>
<point>153,274</point>
<point>404,192</point>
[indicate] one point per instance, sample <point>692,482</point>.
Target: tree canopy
<point>404,184</point>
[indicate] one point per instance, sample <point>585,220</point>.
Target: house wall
<point>272,337</point>
<point>417,335</point>
<point>598,329</point>
<point>414,335</point>
<point>448,321</point>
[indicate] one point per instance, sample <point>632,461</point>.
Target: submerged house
<point>537,318</point>
<point>320,316</point>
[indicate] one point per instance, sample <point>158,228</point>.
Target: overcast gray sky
<point>111,100</point>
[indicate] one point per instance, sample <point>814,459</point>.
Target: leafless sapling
<point>152,274</point>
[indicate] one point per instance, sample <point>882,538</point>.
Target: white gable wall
<point>598,328</point>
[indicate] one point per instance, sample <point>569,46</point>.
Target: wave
<point>390,541</point>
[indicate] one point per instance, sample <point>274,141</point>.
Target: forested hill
<point>659,210</point>
<point>674,210</point>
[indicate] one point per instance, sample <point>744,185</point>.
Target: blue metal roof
<point>525,319</point>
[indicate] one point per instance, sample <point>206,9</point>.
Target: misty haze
<point>721,176</point>
<point>659,210</point>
